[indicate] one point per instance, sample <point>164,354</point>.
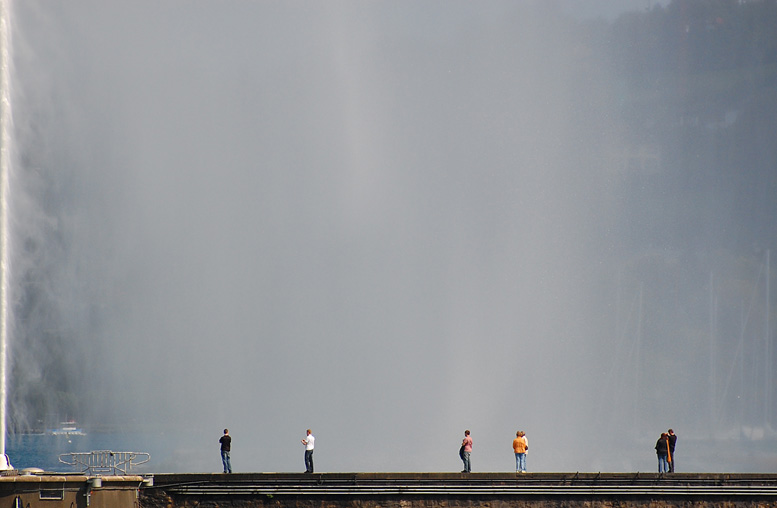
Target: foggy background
<point>390,222</point>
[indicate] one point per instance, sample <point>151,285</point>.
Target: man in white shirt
<point>309,442</point>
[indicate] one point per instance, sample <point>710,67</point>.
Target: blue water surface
<point>43,450</point>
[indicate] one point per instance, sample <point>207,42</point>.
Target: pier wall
<point>391,490</point>
<point>443,490</point>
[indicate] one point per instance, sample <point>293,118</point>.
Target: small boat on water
<point>67,429</point>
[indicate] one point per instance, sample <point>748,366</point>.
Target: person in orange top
<point>520,447</point>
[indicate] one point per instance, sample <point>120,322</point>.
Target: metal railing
<point>104,461</point>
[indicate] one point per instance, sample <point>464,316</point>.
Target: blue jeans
<point>308,461</point>
<point>663,465</point>
<point>225,461</point>
<point>520,462</point>
<point>465,458</point>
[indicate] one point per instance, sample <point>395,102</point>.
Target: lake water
<point>167,455</point>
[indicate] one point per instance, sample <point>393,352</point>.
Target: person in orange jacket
<point>520,447</point>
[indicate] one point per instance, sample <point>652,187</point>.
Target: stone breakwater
<point>455,490</point>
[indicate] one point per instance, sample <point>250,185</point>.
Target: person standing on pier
<point>309,442</point>
<point>526,443</point>
<point>520,447</point>
<point>226,448</point>
<point>672,442</point>
<point>466,445</point>
<point>662,450</point>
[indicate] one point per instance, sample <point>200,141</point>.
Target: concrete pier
<point>391,490</point>
<point>456,490</point>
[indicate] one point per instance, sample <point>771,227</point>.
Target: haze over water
<point>387,221</point>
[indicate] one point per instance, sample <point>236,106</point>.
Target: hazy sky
<point>366,218</point>
<point>609,9</point>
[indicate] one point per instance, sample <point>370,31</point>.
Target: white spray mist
<point>5,164</point>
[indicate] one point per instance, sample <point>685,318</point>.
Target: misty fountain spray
<point>5,163</point>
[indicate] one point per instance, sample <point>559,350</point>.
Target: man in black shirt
<point>672,441</point>
<point>226,447</point>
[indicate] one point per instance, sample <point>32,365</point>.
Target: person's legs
<point>671,464</point>
<point>517,462</point>
<point>662,467</point>
<point>523,462</point>
<point>225,461</point>
<point>467,463</point>
<point>308,461</point>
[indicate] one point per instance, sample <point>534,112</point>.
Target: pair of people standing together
<point>226,448</point>
<point>665,451</point>
<point>520,447</point>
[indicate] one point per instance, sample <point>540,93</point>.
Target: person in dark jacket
<point>672,442</point>
<point>226,447</point>
<point>662,450</point>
